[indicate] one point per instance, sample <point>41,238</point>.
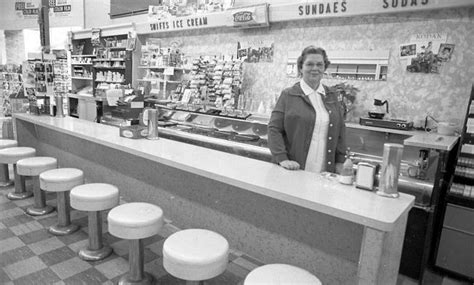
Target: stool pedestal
<point>96,250</point>
<point>20,192</point>
<point>64,226</point>
<point>40,208</point>
<point>61,181</point>
<point>4,176</point>
<point>135,221</point>
<point>136,260</point>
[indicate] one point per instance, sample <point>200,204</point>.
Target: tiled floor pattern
<point>29,254</point>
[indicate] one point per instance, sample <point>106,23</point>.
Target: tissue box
<point>134,132</point>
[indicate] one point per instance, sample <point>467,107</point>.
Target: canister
<point>392,157</point>
<point>59,107</point>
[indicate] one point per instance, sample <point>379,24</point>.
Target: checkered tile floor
<point>29,254</point>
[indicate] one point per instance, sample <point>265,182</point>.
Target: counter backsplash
<point>411,95</point>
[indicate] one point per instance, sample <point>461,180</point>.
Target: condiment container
<point>347,173</point>
<point>365,176</point>
<point>446,129</point>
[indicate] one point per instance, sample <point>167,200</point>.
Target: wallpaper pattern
<point>411,95</point>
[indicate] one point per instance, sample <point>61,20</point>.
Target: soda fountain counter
<point>342,234</point>
<point>423,168</point>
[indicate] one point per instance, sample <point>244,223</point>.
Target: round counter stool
<point>195,255</point>
<point>34,166</point>
<point>280,274</point>
<point>135,221</point>
<point>10,156</point>
<point>93,198</point>
<point>61,181</point>
<point>4,175</point>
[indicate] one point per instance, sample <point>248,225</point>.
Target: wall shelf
<point>358,65</point>
<point>81,78</point>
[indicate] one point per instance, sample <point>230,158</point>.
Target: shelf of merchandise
<point>454,252</point>
<point>109,67</point>
<point>165,67</point>
<point>8,86</point>
<point>159,80</point>
<point>77,63</point>
<point>82,55</point>
<point>109,81</point>
<point>116,48</point>
<point>81,78</point>
<point>108,59</point>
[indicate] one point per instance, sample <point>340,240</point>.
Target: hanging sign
<point>60,8</point>
<point>197,21</point>
<point>346,8</point>
<point>250,17</point>
<point>30,9</point>
<point>27,9</point>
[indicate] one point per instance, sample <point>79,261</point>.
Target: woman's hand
<point>290,164</point>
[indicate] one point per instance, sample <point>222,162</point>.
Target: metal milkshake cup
<point>392,157</point>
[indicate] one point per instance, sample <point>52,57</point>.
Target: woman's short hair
<point>312,50</point>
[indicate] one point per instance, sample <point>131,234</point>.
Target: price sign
<point>168,71</point>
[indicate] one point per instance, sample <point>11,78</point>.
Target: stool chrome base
<point>58,230</point>
<point>146,280</point>
<point>94,255</point>
<point>33,211</point>
<point>19,196</point>
<point>6,183</point>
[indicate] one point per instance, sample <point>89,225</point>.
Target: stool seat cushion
<point>195,254</point>
<point>280,274</point>
<point>33,166</point>
<point>94,197</point>
<point>135,220</point>
<point>12,154</point>
<point>8,143</point>
<point>61,179</point>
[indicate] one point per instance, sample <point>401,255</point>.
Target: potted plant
<point>346,94</point>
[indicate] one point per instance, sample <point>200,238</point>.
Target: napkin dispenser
<point>365,178</point>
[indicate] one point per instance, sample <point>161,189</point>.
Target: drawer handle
<point>458,230</point>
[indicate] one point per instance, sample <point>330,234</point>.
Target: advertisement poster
<point>255,51</point>
<point>29,9</point>
<point>181,8</point>
<point>60,8</point>
<point>426,52</point>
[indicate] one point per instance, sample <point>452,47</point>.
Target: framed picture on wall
<point>445,52</point>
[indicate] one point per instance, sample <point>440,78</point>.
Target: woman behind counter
<point>306,128</point>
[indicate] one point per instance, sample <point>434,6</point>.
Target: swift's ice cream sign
<point>179,23</point>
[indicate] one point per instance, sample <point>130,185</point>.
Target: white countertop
<point>432,140</point>
<point>301,188</point>
<point>417,138</point>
